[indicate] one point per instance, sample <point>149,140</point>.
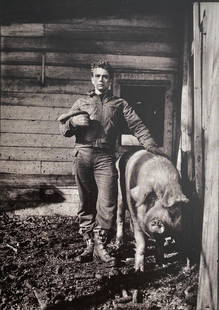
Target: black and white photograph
<point>109,175</point>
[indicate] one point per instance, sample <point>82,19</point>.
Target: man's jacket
<point>105,114</point>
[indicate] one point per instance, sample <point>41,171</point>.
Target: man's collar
<point>108,94</point>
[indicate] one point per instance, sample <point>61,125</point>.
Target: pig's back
<point>145,167</point>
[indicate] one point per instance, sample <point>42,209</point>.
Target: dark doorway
<point>148,102</point>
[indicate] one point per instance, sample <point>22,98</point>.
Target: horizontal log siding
<point>30,139</point>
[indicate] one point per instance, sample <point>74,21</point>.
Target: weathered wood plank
<point>88,31</point>
<point>198,108</point>
<point>87,45</point>
<point>35,167</point>
<point>38,100</point>
<point>52,72</point>
<point>21,58</point>
<point>36,153</point>
<point>149,21</point>
<point>31,113</point>
<point>162,78</point>
<point>21,167</point>
<point>117,61</point>
<point>52,86</point>
<point>36,140</point>
<point>71,73</point>
<point>125,62</point>
<point>208,275</point>
<point>57,168</point>
<point>23,30</point>
<point>35,180</point>
<point>12,71</point>
<point>29,126</point>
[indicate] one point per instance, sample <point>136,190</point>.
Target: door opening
<point>148,102</point>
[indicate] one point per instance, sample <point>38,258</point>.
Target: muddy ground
<point>38,271</point>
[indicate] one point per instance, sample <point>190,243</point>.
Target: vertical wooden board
<point>168,122</point>
<point>186,106</point>
<point>208,281</point>
<point>198,133</point>
<point>208,276</point>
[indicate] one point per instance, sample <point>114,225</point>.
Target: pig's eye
<point>175,211</point>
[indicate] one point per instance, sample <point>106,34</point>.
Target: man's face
<point>101,80</point>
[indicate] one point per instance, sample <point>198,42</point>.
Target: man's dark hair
<point>104,65</point>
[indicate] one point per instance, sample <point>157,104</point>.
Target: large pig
<point>150,189</point>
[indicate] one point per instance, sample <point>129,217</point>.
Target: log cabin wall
<point>45,68</point>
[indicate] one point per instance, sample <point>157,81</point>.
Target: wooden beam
<point>52,86</point>
<point>31,113</point>
<point>92,45</point>
<point>23,30</point>
<point>35,167</point>
<point>33,180</point>
<point>38,100</point>
<point>198,130</point>
<point>36,153</point>
<point>36,140</point>
<point>186,109</point>
<point>208,275</point>
<point>125,62</point>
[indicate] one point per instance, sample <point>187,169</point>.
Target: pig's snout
<point>156,226</point>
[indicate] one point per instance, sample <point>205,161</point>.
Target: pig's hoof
<point>139,262</point>
<point>118,243</point>
<point>139,266</point>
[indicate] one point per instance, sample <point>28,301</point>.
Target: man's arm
<point>66,125</point>
<point>139,130</point>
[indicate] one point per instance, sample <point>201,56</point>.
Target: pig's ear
<point>139,195</point>
<point>135,192</point>
<point>168,200</point>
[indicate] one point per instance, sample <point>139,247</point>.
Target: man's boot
<point>87,254</point>
<point>100,250</point>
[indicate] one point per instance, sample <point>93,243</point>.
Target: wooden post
<point>186,108</point>
<point>198,134</point>
<point>208,276</point>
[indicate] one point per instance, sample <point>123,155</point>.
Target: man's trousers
<point>96,178</point>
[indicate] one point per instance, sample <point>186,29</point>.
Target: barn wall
<point>45,68</point>
<point>199,147</point>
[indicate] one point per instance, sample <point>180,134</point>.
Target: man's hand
<point>82,120</point>
<point>155,150</point>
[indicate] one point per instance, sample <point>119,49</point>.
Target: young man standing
<point>94,120</point>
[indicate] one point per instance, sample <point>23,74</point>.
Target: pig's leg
<point>140,247</point>
<point>120,220</point>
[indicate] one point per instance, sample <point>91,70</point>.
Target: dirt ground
<point>38,271</point>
